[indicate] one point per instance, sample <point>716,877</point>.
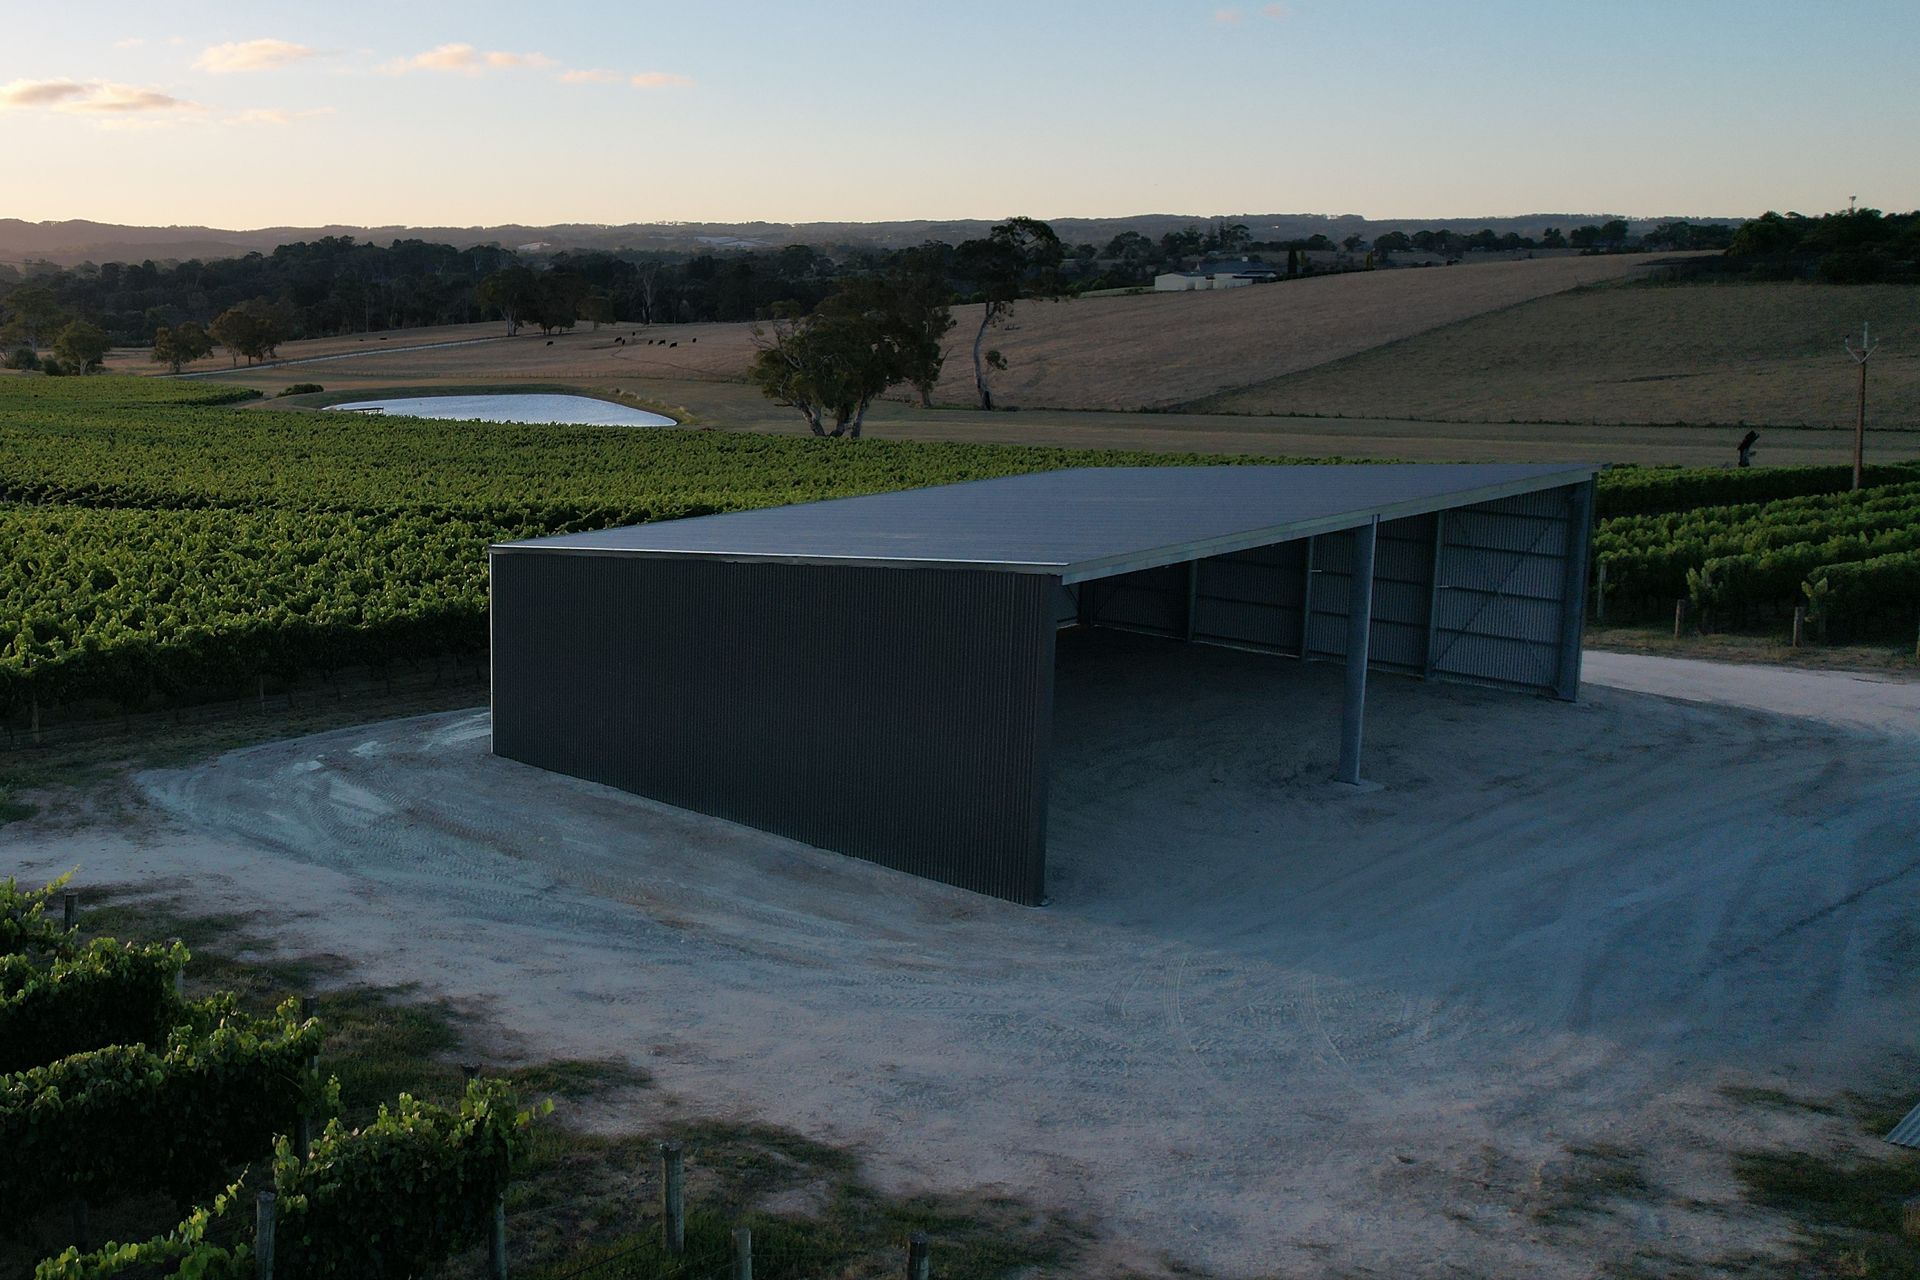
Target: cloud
<point>131,42</point>
<point>1278,12</point>
<point>591,77</point>
<point>91,97</point>
<point>464,59</point>
<point>39,93</point>
<point>1226,17</point>
<point>251,55</point>
<point>659,80</point>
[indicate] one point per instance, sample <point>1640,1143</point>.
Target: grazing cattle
<point>619,342</point>
<point>673,344</point>
<point>691,340</point>
<point>549,341</point>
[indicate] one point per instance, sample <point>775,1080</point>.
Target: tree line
<point>1856,246</point>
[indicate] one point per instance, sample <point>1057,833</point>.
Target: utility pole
<point>1861,354</point>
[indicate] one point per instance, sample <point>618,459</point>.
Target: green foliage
<point>82,346</point>
<point>180,344</point>
<point>23,358</point>
<point>396,1197</point>
<point>869,335</point>
<point>25,927</point>
<point>1630,491</point>
<point>103,993</point>
<point>133,604</point>
<point>389,1200</point>
<point>1856,246</point>
<point>177,1119</point>
<point>303,389</point>
<point>1877,595</point>
<point>184,1253</point>
<point>1648,557</point>
<point>253,329</point>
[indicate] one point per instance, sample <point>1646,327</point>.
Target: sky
<point>416,112</point>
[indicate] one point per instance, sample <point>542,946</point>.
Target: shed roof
<point>1089,522</point>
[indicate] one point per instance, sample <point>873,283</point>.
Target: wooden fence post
<point>742,1253</point>
<point>1679,617</point>
<point>917,1264</point>
<point>1600,593</point>
<point>70,910</point>
<point>263,1223</point>
<point>179,975</point>
<point>497,1240</point>
<point>1799,625</point>
<point>673,1198</point>
<point>1910,1217</point>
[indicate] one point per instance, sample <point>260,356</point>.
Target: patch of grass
<point>1597,1175</point>
<point>12,810</point>
<point>1845,1204</point>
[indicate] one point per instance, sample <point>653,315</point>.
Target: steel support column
<point>1359,631</point>
<point>1306,600</point>
<point>1433,593</point>
<point>1573,598</point>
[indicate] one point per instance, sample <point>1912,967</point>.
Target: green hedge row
<point>175,1119</point>
<point>1876,596</point>
<point>104,993</point>
<point>387,1201</point>
<point>1772,579</point>
<point>1631,491</point>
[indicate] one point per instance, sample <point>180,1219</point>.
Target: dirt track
<point>1268,1024</point>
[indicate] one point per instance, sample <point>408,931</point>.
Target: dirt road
<point>1268,1025</point>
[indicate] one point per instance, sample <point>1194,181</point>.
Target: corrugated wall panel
<point>1511,573</point>
<point>1402,589</point>
<point>897,715</point>
<point>1252,597</point>
<point>1152,600</point>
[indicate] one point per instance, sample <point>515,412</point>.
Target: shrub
<point>303,389</point>
<point>103,994</point>
<point>22,357</point>
<point>177,1120</point>
<point>24,926</point>
<point>390,1200</point>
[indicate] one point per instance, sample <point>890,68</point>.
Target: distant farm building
<point>1215,275</point>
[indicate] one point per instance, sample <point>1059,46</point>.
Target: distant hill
<point>77,240</point>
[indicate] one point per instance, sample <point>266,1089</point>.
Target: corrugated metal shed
<point>1907,1132</point>
<point>874,675</point>
<point>1083,523</point>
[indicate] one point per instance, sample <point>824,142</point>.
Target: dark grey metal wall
<point>897,715</point>
<point>1492,593</point>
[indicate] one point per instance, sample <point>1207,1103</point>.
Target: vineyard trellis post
<point>742,1253</point>
<point>918,1266</point>
<point>497,1240</point>
<point>70,910</point>
<point>673,1198</point>
<point>1860,355</point>
<point>264,1215</point>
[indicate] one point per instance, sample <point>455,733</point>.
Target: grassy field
<point>1147,351</point>
<point>1766,354</point>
